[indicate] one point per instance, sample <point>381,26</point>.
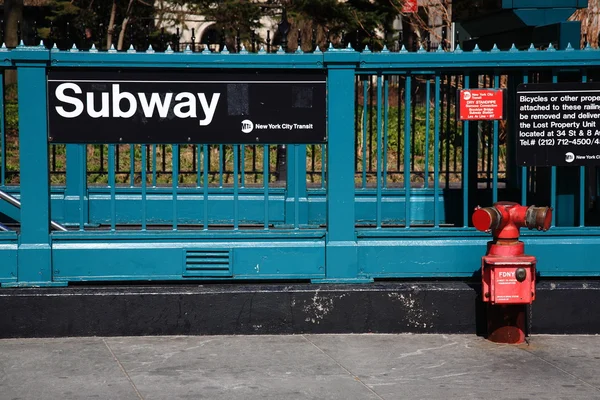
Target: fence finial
<point>112,49</point>
<point>551,47</point>
<point>131,49</point>
<point>569,47</point>
<point>403,49</point>
<point>206,49</point>
<point>225,51</point>
<point>476,49</point>
<point>150,49</point>
<point>93,49</point>
<point>495,49</point>
<point>74,48</point>
<point>440,48</point>
<point>531,47</point>
<point>366,49</point>
<point>513,48</point>
<point>169,50</point>
<point>458,50</point>
<point>187,50</point>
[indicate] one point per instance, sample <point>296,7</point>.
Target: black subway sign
<point>186,107</point>
<point>558,124</point>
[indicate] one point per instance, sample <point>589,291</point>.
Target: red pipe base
<point>506,323</point>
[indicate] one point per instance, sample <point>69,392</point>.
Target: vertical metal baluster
<point>495,171</point>
<point>175,179</point>
<point>82,184</point>
<point>447,156</point>
<point>205,172</point>
<point>413,125</point>
<point>427,117</point>
<point>398,128</point>
<point>436,153</point>
<point>385,130</point>
<point>584,79</point>
<point>153,165</point>
<point>323,165</point>
<point>144,204</point>
<point>524,178</point>
<point>364,133</point>
<point>221,163</point>
<point>266,178</point>
<point>131,165</point>
<point>313,161</point>
<point>553,172</point>
<point>378,151</point>
<point>465,172</point>
<point>296,187</point>
<point>198,152</point>
<point>243,165</point>
<point>101,148</point>
<point>407,149</point>
<point>2,136</point>
<point>112,183</point>
<point>254,172</point>
<point>236,203</point>
<point>371,112</point>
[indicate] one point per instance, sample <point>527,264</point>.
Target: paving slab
<point>454,366</point>
<point>234,367</point>
<point>53,369</point>
<point>577,355</point>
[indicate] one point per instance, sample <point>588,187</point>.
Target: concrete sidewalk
<point>300,367</point>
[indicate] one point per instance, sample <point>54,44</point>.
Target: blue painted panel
<point>461,256</point>
<point>154,260</point>
<point>8,257</point>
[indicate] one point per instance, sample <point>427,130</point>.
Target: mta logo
<point>247,126</point>
<point>569,157</point>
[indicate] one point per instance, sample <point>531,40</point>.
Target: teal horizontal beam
<point>458,61</point>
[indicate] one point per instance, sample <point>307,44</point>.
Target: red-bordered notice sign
<point>481,104</point>
<point>410,6</point>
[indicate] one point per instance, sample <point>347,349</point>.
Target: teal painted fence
<point>388,196</point>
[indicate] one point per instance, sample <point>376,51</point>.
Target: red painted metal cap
<point>485,219</point>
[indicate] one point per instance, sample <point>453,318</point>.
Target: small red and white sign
<point>410,6</point>
<point>481,104</point>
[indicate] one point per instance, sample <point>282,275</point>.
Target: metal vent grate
<point>207,263</point>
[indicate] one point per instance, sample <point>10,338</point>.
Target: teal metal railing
<point>388,196</point>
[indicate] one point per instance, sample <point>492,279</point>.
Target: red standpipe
<point>507,273</point>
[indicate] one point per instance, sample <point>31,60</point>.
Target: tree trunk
<point>124,25</point>
<point>13,12</point>
<point>111,25</point>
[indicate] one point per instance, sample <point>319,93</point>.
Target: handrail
<point>16,203</point>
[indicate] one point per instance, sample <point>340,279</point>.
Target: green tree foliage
<point>86,22</point>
